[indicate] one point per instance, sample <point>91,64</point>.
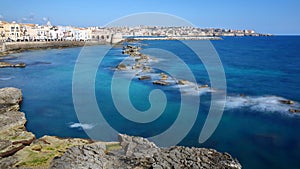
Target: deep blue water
<point>256,129</point>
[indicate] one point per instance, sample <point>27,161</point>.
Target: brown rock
<point>294,111</point>
<point>183,82</point>
<point>162,83</point>
<point>286,101</point>
<point>144,78</point>
<point>121,66</point>
<point>203,86</point>
<point>5,64</point>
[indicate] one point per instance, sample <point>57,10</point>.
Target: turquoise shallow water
<point>256,130</point>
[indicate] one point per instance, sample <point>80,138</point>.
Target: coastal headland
<point>20,149</point>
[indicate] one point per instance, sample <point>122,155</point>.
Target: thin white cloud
<point>1,16</point>
<point>28,18</point>
<point>45,19</point>
<point>31,16</point>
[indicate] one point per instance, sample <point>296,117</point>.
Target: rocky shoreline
<point>20,149</point>
<point>18,47</point>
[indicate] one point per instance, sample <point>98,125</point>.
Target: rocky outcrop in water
<point>6,64</point>
<point>121,66</point>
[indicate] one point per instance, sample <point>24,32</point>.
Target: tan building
<point>29,32</point>
<point>12,31</point>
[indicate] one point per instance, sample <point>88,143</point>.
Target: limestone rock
<point>121,66</point>
<point>13,135</point>
<point>137,147</point>
<point>294,110</point>
<point>9,99</point>
<point>203,86</point>
<point>41,152</point>
<point>21,65</point>
<point>183,82</point>
<point>6,64</point>
<point>139,153</point>
<point>159,82</point>
<point>144,78</point>
<point>286,101</point>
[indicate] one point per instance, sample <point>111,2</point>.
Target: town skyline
<point>14,31</point>
<point>262,16</point>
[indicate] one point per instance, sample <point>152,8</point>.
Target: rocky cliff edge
<point>20,149</point>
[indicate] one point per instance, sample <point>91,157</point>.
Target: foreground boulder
<point>41,152</point>
<point>139,153</point>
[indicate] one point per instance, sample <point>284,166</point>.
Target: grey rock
<point>137,152</point>
<point>9,99</point>
<point>13,135</point>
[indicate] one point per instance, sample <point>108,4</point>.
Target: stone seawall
<point>11,46</point>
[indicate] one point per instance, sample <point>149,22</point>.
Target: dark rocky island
<point>20,149</point>
<point>6,64</point>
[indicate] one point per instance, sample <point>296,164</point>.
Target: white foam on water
<point>193,89</point>
<point>6,78</point>
<point>82,126</point>
<point>260,103</point>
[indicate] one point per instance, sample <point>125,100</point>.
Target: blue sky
<point>265,16</point>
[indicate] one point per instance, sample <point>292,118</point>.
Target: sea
<point>255,127</point>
